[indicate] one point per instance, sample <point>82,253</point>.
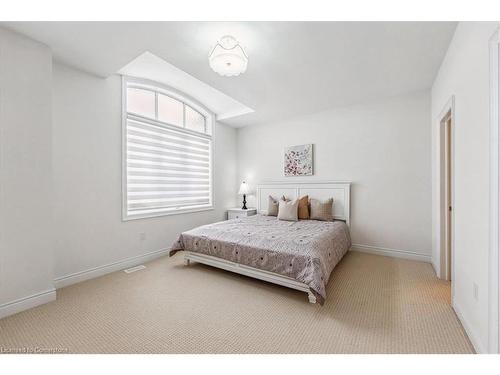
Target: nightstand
<point>237,213</point>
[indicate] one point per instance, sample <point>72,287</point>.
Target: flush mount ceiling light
<point>228,58</point>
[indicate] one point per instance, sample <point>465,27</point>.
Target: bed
<point>299,255</point>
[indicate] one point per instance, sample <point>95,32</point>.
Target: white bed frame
<point>339,191</point>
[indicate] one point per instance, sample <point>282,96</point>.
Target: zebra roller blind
<point>168,166</point>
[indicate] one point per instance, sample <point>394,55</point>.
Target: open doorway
<point>447,192</point>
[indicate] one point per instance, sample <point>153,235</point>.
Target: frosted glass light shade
<point>244,188</point>
<point>228,57</point>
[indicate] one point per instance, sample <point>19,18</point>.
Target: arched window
<point>167,152</point>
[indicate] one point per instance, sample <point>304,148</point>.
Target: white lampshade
<point>228,57</point>
<point>244,188</point>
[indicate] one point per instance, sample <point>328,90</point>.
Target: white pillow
<point>272,206</point>
<point>288,210</point>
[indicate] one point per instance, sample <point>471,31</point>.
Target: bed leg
<point>312,297</point>
<point>187,261</point>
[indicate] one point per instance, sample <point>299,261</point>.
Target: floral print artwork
<point>299,160</point>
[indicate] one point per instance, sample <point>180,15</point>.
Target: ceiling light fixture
<point>228,58</point>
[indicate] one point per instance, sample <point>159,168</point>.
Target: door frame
<point>494,258</point>
<point>448,112</point>
<point>447,255</point>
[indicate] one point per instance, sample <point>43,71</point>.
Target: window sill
<point>167,213</point>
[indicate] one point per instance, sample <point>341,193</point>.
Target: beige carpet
<point>375,305</point>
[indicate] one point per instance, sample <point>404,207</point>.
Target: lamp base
<point>244,202</point>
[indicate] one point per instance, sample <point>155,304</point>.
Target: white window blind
<point>167,166</point>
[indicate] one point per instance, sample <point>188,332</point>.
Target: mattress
<point>305,250</point>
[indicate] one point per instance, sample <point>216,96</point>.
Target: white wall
<point>87,161</point>
<point>464,73</point>
<point>26,241</point>
<point>382,147</point>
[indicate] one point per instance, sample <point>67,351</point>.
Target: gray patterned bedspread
<point>306,250</point>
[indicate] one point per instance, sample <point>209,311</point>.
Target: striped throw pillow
<point>321,210</point>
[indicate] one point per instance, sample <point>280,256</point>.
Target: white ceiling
<point>295,68</point>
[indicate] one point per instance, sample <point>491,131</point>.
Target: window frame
<point>160,88</point>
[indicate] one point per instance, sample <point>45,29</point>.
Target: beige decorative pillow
<point>321,210</point>
<point>272,206</point>
<point>304,208</point>
<point>288,210</point>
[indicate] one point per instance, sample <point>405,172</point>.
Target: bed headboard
<point>339,191</point>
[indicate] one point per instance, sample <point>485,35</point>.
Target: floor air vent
<point>134,269</point>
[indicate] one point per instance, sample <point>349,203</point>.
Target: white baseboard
<point>77,277</point>
<point>26,303</point>
<point>391,252</point>
<point>476,343</point>
<point>434,265</point>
